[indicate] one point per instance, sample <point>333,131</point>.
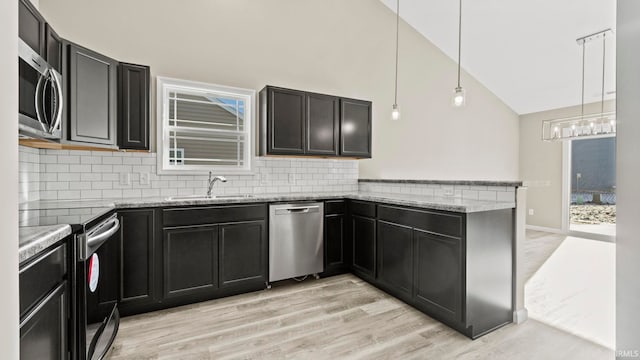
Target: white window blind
<point>205,127</point>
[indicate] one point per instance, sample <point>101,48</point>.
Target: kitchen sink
<point>205,197</point>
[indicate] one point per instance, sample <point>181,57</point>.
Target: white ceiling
<point>523,51</point>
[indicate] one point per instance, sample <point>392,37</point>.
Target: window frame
<point>164,86</point>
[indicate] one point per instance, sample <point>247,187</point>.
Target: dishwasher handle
<point>297,210</point>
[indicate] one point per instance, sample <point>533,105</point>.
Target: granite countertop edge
<point>35,239</point>
<point>446,182</point>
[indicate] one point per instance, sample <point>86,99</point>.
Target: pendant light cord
<point>459,39</point>
<point>604,59</point>
<point>583,53</point>
<point>395,98</point>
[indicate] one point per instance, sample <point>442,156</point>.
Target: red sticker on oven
<point>94,272</point>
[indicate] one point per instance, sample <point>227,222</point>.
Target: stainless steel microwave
<point>40,96</point>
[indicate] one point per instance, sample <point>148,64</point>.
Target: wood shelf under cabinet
<point>44,144</point>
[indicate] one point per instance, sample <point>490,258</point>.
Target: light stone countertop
<point>34,239</point>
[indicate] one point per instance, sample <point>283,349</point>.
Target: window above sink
<point>204,127</point>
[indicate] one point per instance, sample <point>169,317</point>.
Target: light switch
<point>531,212</point>
<point>125,179</point>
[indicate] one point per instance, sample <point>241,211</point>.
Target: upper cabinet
<point>133,106</point>
<point>355,139</point>
<point>92,96</point>
<point>31,26</point>
<point>294,122</point>
<point>53,48</point>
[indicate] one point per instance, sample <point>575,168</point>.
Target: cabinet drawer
<point>334,207</point>
<point>212,214</point>
<point>41,276</point>
<point>434,222</point>
<point>362,208</point>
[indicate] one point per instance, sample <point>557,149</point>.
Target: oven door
<point>98,286</point>
<point>40,96</point>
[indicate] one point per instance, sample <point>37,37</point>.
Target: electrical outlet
<point>264,179</point>
<point>531,212</point>
<point>125,179</point>
<point>144,178</point>
<point>292,179</point>
<point>448,192</point>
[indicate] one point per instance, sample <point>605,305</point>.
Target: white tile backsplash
<point>491,193</point>
<point>66,174</point>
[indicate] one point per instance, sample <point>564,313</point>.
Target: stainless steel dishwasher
<point>296,240</point>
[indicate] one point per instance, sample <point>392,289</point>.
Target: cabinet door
<point>334,242</point>
<point>364,245</point>
<point>322,124</point>
<point>53,51</point>
<point>355,128</point>
<point>138,252</point>
<point>286,126</point>
<point>31,26</point>
<point>92,96</point>
<point>243,253</point>
<point>190,261</point>
<point>438,275</point>
<point>133,107</point>
<point>395,258</point>
<point>44,331</point>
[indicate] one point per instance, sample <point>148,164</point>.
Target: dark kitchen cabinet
<point>284,121</point>
<point>190,261</point>
<point>337,247</point>
<point>45,306</point>
<point>395,258</point>
<point>133,106</point>
<point>137,258</point>
<point>92,81</point>
<point>363,232</point>
<point>31,26</point>
<point>44,333</point>
<point>438,274</point>
<point>53,48</point>
<point>355,117</point>
<point>322,124</point>
<point>294,122</point>
<point>243,253</point>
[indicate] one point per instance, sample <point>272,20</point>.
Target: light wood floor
<point>340,317</point>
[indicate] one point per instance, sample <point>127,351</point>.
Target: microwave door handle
<point>39,99</point>
<point>57,85</point>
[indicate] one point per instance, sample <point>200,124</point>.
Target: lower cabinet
<point>438,274</point>
<point>243,253</point>
<point>363,231</point>
<point>337,242</point>
<point>190,261</point>
<point>395,258</point>
<point>44,333</point>
<point>45,304</point>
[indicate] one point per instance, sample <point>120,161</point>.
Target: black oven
<point>40,95</point>
<point>97,288</point>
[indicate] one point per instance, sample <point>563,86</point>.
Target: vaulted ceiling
<point>523,51</point>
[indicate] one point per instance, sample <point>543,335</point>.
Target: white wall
<point>330,46</point>
<point>9,180</point>
<point>541,164</point>
<point>628,178</point>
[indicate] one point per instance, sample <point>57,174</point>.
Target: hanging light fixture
<point>459,98</point>
<point>596,125</point>
<point>395,112</point>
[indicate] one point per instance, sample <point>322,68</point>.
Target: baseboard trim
<point>520,316</point>
<point>545,229</point>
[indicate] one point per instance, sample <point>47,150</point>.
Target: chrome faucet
<point>212,180</point>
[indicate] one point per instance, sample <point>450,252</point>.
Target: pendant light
<point>595,125</point>
<point>459,98</point>
<point>395,112</point>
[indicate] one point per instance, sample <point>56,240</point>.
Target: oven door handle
<point>95,240</point>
